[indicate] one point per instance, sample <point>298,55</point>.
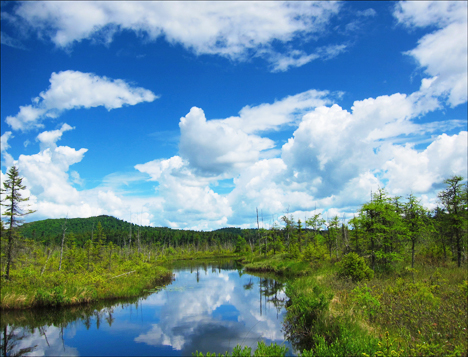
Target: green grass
<point>405,312</point>
<point>40,284</point>
<point>279,264</point>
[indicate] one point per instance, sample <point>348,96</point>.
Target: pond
<point>210,306</point>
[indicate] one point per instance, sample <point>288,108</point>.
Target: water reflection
<point>208,307</point>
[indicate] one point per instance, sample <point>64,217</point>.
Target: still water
<point>209,306</point>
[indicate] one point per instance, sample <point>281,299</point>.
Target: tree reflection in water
<point>11,337</point>
<point>213,310</point>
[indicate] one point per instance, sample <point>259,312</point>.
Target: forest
<point>390,281</point>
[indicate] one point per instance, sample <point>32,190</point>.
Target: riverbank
<point>412,312</point>
<point>279,264</point>
<point>30,289</point>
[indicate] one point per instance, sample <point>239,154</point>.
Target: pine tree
<point>455,201</point>
<point>12,202</point>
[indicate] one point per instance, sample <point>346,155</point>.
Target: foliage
<point>307,308</point>
<point>386,348</point>
<point>354,267</point>
<point>365,301</point>
<point>241,244</point>
<point>349,341</point>
<point>238,351</point>
<point>315,253</point>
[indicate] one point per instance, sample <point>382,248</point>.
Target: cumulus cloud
<point>46,173</point>
<point>74,90</point>
<point>331,146</point>
<point>185,194</point>
<point>223,147</point>
<point>418,171</point>
<point>236,30</point>
<point>443,53</point>
<point>214,147</point>
<point>333,160</point>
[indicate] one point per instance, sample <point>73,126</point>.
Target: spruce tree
<point>12,202</point>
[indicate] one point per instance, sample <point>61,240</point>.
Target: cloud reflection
<point>211,310</point>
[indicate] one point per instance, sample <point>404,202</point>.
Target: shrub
<point>315,253</point>
<point>354,267</point>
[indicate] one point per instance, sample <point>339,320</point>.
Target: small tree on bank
<point>12,201</point>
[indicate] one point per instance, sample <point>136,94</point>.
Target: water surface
<point>209,306</point>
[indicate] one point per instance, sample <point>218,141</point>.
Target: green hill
<point>53,227</point>
<point>49,231</point>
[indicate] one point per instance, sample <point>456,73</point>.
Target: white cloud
<point>281,62</point>
<point>235,30</point>
<point>427,13</point>
<point>223,147</point>
<point>46,173</point>
<point>273,116</point>
<point>214,147</point>
<point>187,195</point>
<point>442,53</point>
<point>4,146</point>
<point>333,160</point>
<point>73,90</point>
<point>370,12</point>
<point>47,139</point>
<point>413,171</point>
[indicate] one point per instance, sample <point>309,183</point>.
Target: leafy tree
<point>12,188</point>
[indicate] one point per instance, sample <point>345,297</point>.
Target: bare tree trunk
<point>64,228</point>
<point>138,237</point>
<point>130,238</point>
<point>48,256</point>
<point>10,234</point>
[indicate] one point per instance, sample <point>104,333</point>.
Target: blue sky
<point>192,115</point>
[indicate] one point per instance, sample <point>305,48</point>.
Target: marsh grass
<point>424,309</point>
<point>280,264</point>
<point>28,288</point>
<point>402,312</point>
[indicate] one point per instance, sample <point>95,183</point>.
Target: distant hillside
<point>49,231</point>
<point>53,227</point>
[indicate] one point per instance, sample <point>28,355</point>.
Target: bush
<point>354,267</point>
<point>315,253</point>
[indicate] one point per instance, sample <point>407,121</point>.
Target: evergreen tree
<point>415,217</point>
<point>13,200</point>
<point>455,201</point>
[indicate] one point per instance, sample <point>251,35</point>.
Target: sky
<point>192,115</point>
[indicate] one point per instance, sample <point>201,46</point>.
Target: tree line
<point>385,230</point>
